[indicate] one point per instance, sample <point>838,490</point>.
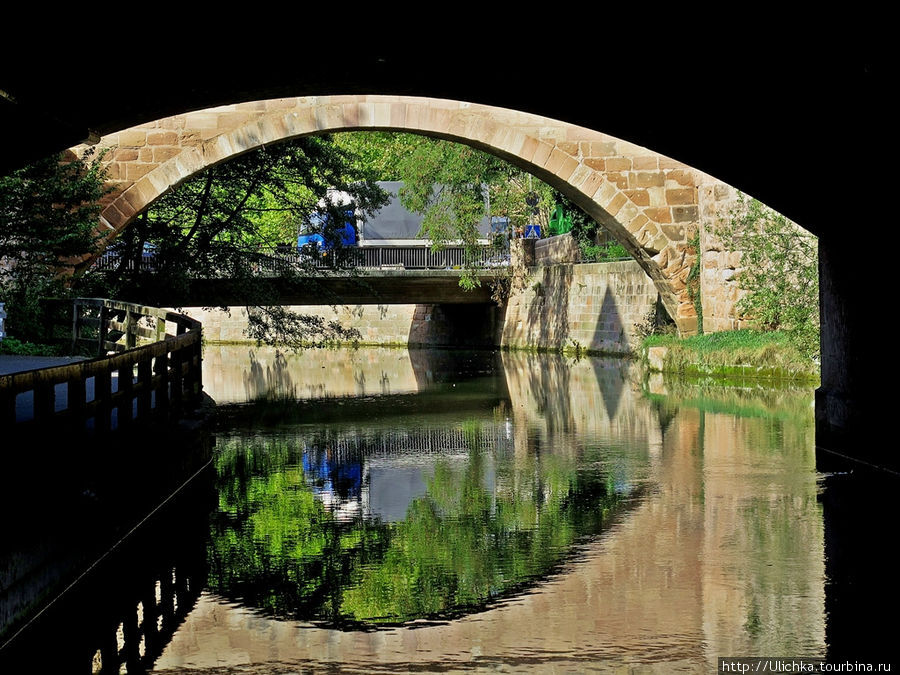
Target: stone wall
<point>719,266</point>
<point>554,250</point>
<point>428,325</point>
<point>590,306</point>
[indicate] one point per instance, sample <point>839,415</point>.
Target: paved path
<point>25,402</point>
<point>14,364</point>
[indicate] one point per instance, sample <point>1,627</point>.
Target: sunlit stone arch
<point>648,202</point>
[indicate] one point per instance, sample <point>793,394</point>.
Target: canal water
<point>386,510</point>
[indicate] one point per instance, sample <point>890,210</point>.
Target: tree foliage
<point>226,222</point>
<point>780,271</point>
<point>48,215</point>
<point>454,186</point>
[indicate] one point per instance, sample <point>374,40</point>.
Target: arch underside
<point>646,201</point>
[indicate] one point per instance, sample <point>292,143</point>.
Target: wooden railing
<point>157,380</point>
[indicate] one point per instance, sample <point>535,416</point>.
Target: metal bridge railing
<point>272,261</point>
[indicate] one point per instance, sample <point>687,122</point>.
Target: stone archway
<point>649,202</point>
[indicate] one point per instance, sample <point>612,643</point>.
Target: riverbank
<point>730,354</point>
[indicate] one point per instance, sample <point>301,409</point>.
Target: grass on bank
<point>740,352</point>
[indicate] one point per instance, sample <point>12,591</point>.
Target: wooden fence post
<point>76,324</point>
<point>130,335</point>
<point>177,379</point>
<point>102,403</point>
<point>102,331</point>
<point>145,382</point>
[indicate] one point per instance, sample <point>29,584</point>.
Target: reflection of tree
<point>274,545</point>
<point>465,544</point>
<point>272,382</point>
<point>484,529</point>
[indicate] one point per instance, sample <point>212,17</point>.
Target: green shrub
<point>16,347</point>
<point>780,272</point>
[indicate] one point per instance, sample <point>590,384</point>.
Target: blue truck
<point>321,237</point>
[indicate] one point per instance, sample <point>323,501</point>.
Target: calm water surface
<point>391,510</point>
<point>386,510</point>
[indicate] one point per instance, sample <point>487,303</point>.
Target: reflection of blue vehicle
<point>322,236</point>
<point>337,478</point>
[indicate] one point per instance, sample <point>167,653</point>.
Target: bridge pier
<point>851,412</point>
<point>854,451</point>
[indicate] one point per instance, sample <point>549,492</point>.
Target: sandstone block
<point>686,310</point>
<point>132,138</point>
<point>628,212</point>
<point>616,203</point>
<point>669,163</point>
<point>645,179</point>
<point>125,154</point>
<point>542,153</point>
<point>135,171</point>
<point>673,232</point>
<point>600,149</point>
<point>162,137</point>
<point>681,177</point>
<point>659,215</point>
<point>164,153</point>
<point>723,191</point>
<point>686,214</point>
<point>618,164</point>
<point>639,197</point>
<point>681,196</point>
<point>646,163</point>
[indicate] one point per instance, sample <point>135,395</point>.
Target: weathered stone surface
<point>162,137</point>
<point>618,164</point>
<point>685,214</point>
<point>681,196</point>
<point>599,149</point>
<point>673,232</point>
<point>646,163</point>
<point>131,138</point>
<point>592,305</point>
<point>135,171</point>
<point>659,215</point>
<point>641,179</point>
<point>639,197</point>
<point>656,358</point>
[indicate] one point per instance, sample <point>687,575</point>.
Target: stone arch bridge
<point>650,203</point>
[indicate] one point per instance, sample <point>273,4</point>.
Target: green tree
<point>48,217</point>
<point>227,221</point>
<point>780,271</point>
<point>453,186</point>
